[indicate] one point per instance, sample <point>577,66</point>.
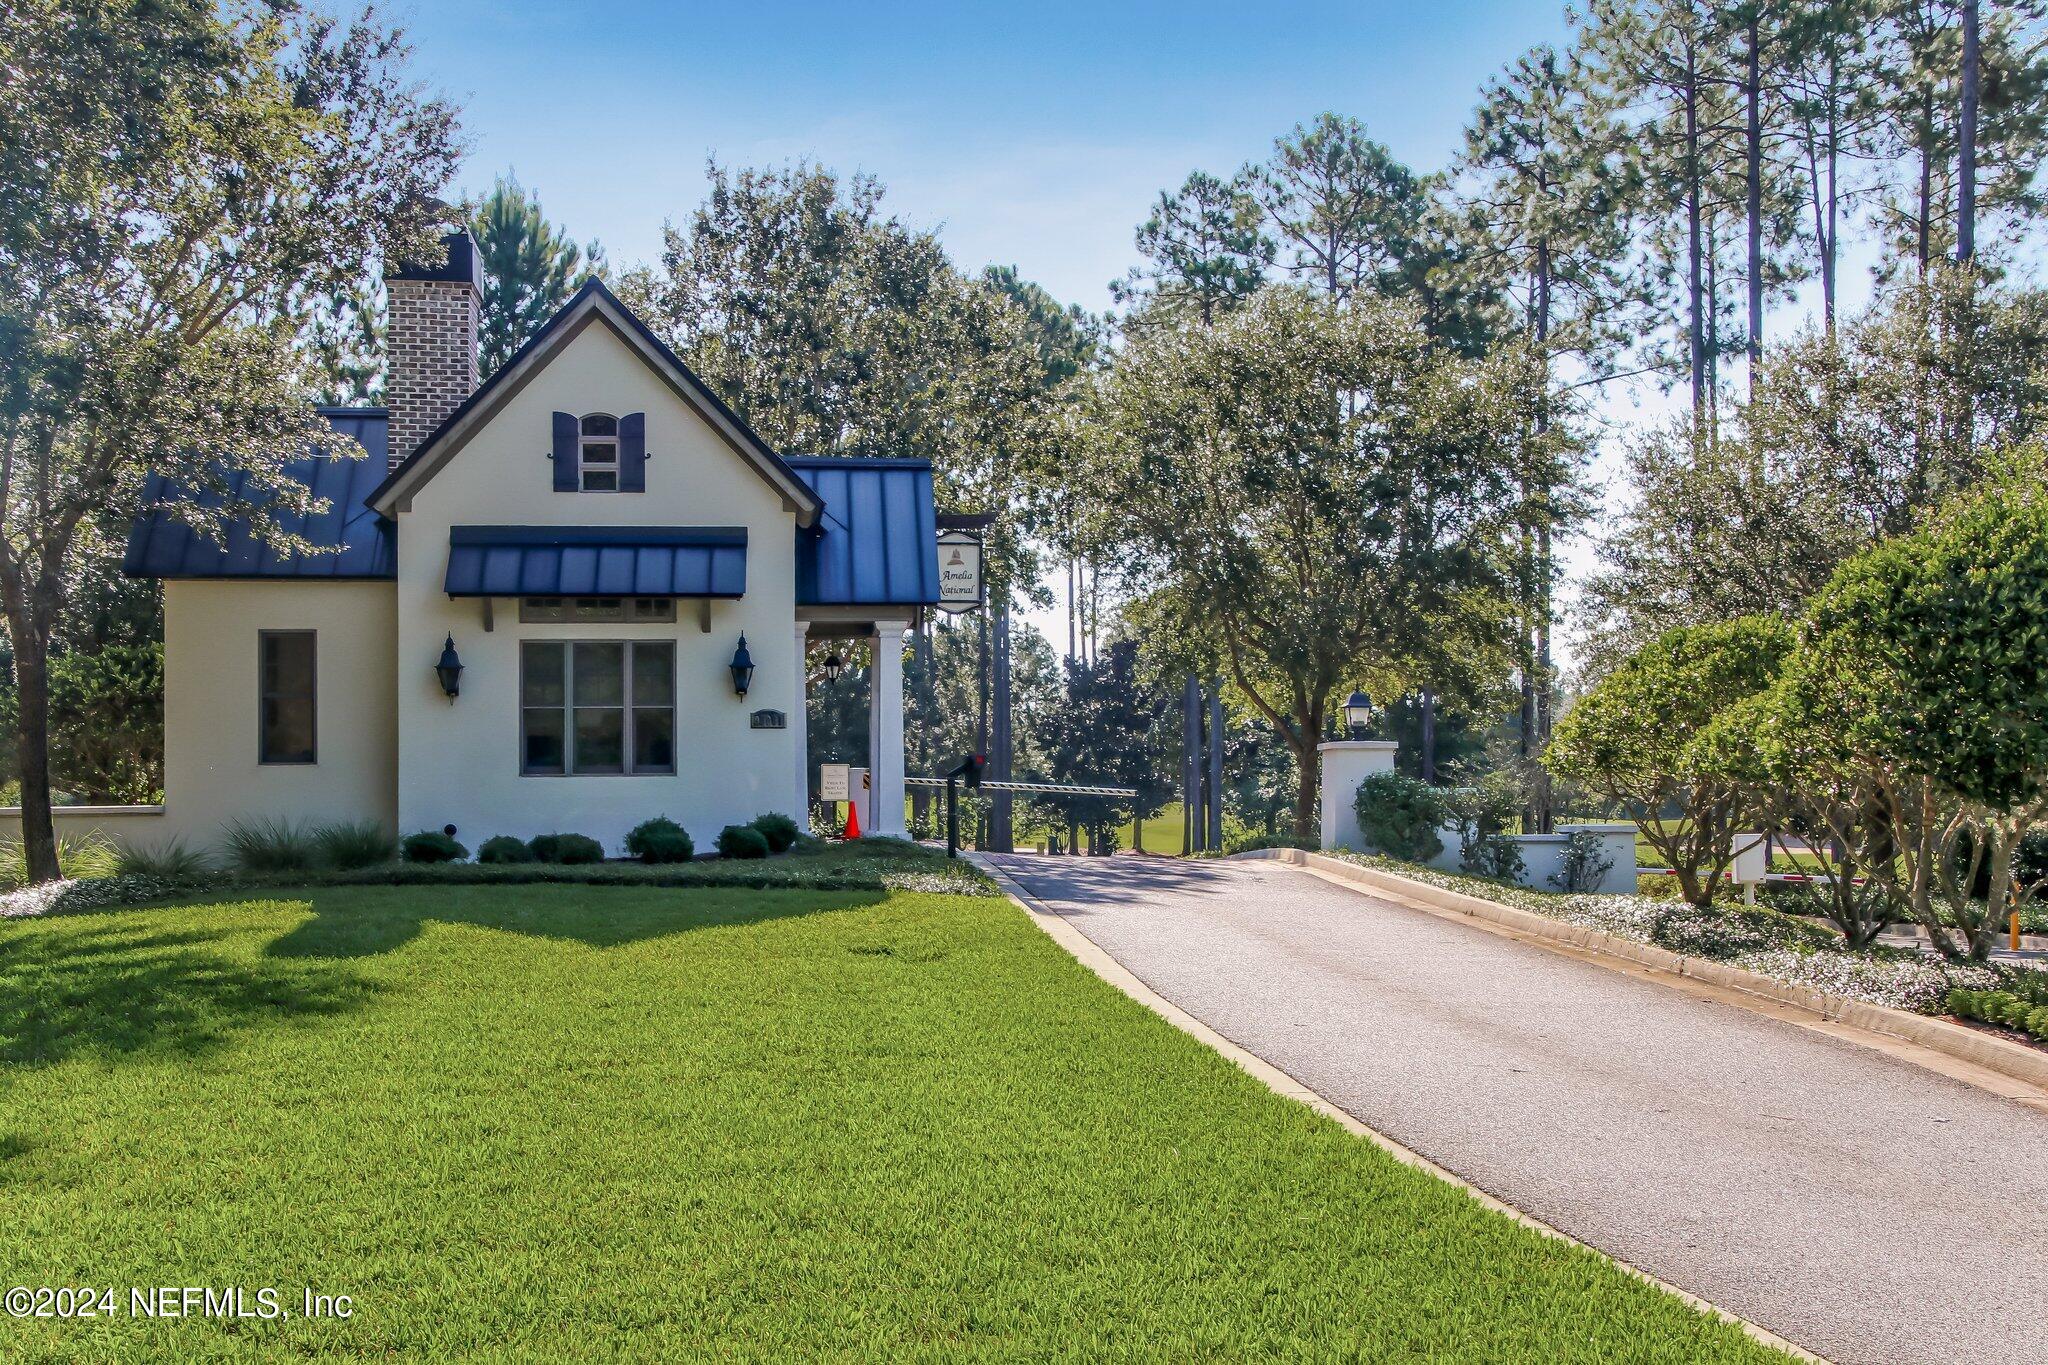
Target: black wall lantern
<point>1357,714</point>
<point>834,666</point>
<point>449,671</point>
<point>742,669</point>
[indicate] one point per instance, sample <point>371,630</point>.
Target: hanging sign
<point>959,571</point>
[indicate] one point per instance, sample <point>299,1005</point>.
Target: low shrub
<point>432,846</point>
<point>660,840</point>
<point>779,830</point>
<point>566,848</point>
<point>1585,863</point>
<point>1250,840</point>
<point>2006,1008</point>
<point>267,847</point>
<point>742,841</point>
<point>1400,815</point>
<point>357,843</point>
<point>503,848</point>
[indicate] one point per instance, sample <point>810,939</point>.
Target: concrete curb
<point>1092,956</point>
<point>1852,1017</point>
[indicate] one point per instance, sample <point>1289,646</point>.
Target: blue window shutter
<point>565,452</point>
<point>633,453</point>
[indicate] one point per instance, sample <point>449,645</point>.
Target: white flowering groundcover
<point>1783,947</point>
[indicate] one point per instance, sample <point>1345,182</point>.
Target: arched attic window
<point>600,453</point>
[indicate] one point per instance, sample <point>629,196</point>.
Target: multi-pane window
<point>598,453</point>
<point>597,706</point>
<point>545,610</point>
<point>285,688</point>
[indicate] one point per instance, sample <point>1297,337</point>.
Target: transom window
<point>597,453</point>
<point>597,706</point>
<point>576,610</point>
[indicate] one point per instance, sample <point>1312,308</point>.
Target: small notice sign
<point>832,783</point>
<point>959,571</point>
<point>768,720</point>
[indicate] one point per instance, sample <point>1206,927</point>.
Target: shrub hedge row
<point>2001,1007</point>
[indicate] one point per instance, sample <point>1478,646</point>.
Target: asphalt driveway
<point>1851,1202</point>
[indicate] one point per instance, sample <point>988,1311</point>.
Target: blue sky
<point>1034,135</point>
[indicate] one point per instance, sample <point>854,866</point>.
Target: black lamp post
<point>742,669</point>
<point>449,671</point>
<point>1357,714</point>
<point>834,666</point>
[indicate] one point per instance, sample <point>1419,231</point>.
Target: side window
<point>597,706</point>
<point>597,464</point>
<point>286,703</point>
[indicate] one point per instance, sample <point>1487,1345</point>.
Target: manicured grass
<point>557,1123</point>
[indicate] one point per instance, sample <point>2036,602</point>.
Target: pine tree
<point>1205,252</point>
<point>530,269</point>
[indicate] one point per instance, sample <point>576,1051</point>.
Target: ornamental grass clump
<point>357,843</point>
<point>269,847</point>
<point>171,861</point>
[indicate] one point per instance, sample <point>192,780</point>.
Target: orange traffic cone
<point>853,819</point>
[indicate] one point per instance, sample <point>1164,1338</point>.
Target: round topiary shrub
<point>566,848</point>
<point>660,840</point>
<point>779,830</point>
<point>1400,815</point>
<point>431,846</point>
<point>503,848</point>
<point>742,841</point>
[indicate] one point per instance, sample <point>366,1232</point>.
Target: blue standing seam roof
<point>358,542</point>
<point>597,561</point>
<point>877,542</point>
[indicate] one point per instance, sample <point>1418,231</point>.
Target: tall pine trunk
<point>1753,156</point>
<point>1966,142</point>
<point>1696,340</point>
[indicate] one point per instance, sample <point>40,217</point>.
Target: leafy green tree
<point>1922,659</point>
<point>1634,740</point>
<point>1100,733</point>
<point>1205,250</point>
<point>1310,482</point>
<point>530,268</point>
<point>147,296</point>
<point>343,342</point>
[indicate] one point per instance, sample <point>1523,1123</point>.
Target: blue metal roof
<point>597,561</point>
<point>877,542</point>
<point>360,543</point>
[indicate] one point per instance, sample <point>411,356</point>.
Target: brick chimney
<point>430,340</point>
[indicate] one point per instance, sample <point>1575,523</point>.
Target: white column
<point>885,733</point>
<point>799,721</point>
<point>1346,763</point>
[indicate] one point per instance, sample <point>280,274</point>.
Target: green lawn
<point>552,1123</point>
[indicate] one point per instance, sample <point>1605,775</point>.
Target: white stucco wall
<point>459,763</point>
<point>211,773</point>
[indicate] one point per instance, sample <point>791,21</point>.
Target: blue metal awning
<point>877,542</point>
<point>597,561</point>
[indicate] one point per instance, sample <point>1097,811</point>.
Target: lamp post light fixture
<point>1357,714</point>
<point>834,666</point>
<point>449,671</point>
<point>742,669</point>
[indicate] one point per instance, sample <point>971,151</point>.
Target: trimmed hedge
<point>432,846</point>
<point>566,848</point>
<point>504,848</point>
<point>778,829</point>
<point>2003,1008</point>
<point>660,840</point>
<point>742,841</point>
<point>1400,815</point>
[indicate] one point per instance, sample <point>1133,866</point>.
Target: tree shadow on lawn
<point>348,923</point>
<point>116,989</point>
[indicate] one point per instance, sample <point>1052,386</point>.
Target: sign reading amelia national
<point>959,571</point>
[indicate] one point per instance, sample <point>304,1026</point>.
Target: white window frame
<point>584,442</point>
<point>630,707</point>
